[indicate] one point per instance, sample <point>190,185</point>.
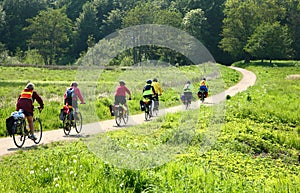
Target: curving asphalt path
<point>7,145</point>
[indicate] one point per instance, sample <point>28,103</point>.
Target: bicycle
<point>121,114</point>
<point>201,95</point>
<point>148,109</point>
<point>71,118</point>
<point>21,132</point>
<point>156,106</point>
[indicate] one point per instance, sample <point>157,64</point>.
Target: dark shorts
<point>120,100</point>
<point>188,95</point>
<point>28,114</point>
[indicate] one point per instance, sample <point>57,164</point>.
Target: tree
<point>74,8</point>
<point>238,27</point>
<point>270,41</point>
<point>86,25</point>
<point>17,11</point>
<point>51,31</point>
<point>112,22</point>
<point>293,20</point>
<point>193,22</point>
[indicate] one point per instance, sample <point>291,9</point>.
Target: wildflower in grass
<point>31,172</point>
<point>56,185</point>
<point>74,161</point>
<point>55,179</point>
<point>71,172</point>
<point>47,169</point>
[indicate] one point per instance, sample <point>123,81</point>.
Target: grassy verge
<point>256,150</point>
<point>98,92</point>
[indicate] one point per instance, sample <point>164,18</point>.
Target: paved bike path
<point>7,145</point>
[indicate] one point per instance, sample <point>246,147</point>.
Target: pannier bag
<point>10,125</point>
<point>142,105</point>
<point>182,98</point>
<point>62,114</point>
<point>111,110</point>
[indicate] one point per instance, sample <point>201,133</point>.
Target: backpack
<point>69,96</point>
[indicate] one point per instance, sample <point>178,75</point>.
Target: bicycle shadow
<point>75,136</point>
<point>12,149</point>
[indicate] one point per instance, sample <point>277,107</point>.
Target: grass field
<point>256,151</point>
<point>97,86</point>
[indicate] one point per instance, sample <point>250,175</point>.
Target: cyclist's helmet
<point>149,81</point>
<point>30,86</point>
<point>75,84</point>
<point>122,82</point>
<point>203,78</point>
<point>155,80</point>
<point>188,82</point>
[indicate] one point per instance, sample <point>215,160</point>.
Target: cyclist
<point>25,102</point>
<point>203,86</point>
<point>187,91</point>
<point>148,91</point>
<point>158,92</point>
<point>120,95</point>
<point>71,95</point>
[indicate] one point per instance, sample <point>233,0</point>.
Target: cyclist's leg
<point>156,101</point>
<point>29,117</point>
<point>30,123</point>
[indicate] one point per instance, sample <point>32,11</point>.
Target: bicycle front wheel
<point>19,136</point>
<point>38,130</point>
<point>125,117</point>
<point>78,122</point>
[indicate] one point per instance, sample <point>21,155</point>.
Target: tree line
<point>58,32</point>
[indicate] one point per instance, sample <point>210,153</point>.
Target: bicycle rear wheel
<point>147,113</point>
<point>66,125</point>
<point>78,122</point>
<point>38,130</point>
<point>19,136</point>
<point>118,117</point>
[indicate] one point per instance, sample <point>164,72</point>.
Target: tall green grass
<point>256,150</point>
<point>98,92</point>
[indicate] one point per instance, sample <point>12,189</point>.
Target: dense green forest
<point>59,32</point>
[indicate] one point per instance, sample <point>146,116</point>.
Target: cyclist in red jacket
<point>120,94</point>
<point>25,102</point>
<point>72,94</point>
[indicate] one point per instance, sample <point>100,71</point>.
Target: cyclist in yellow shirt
<point>158,92</point>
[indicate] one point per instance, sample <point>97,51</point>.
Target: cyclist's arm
<point>160,89</point>
<point>37,97</point>
<point>78,93</point>
<point>153,90</point>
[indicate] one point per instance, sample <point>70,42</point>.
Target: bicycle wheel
<point>78,122</point>
<point>38,129</point>
<point>187,104</point>
<point>19,136</point>
<point>118,117</point>
<point>202,97</point>
<point>147,113</point>
<point>125,117</point>
<point>155,112</point>
<point>66,125</point>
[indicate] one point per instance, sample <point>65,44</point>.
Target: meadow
<point>256,149</point>
<point>97,86</point>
